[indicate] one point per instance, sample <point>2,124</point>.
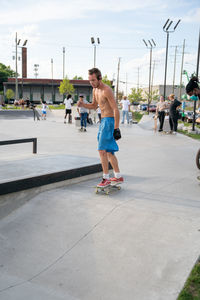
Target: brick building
<point>47,89</point>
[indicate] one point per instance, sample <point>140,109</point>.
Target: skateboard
<point>108,188</point>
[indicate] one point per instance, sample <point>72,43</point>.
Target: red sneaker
<point>115,180</point>
<point>104,183</point>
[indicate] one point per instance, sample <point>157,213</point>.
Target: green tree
<point>10,94</point>
<point>136,95</point>
<point>153,96</point>
<point>106,81</point>
<point>66,87</point>
<point>5,72</point>
<point>77,78</point>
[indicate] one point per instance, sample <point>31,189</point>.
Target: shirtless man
<point>109,126</point>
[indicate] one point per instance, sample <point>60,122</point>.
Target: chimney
<point>24,62</point>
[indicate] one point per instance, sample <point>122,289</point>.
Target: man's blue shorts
<point>105,136</point>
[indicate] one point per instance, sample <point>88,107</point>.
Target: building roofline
<point>45,81</point>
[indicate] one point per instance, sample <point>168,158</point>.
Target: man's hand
<point>117,134</point>
<point>80,103</point>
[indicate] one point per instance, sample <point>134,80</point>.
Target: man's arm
<point>92,105</point>
<point>109,95</point>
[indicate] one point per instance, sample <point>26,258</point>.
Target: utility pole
<point>63,62</point>
<point>52,78</point>
<point>138,78</point>
<point>174,69</point>
<point>126,85</point>
<point>183,52</point>
<point>117,89</point>
<point>16,71</point>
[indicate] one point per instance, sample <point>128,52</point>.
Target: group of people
<point>173,107</point>
<point>23,103</point>
<point>82,112</point>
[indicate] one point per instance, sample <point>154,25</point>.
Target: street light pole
<point>197,74</point>
<point>52,78</point>
<point>174,70</point>
<point>152,45</point>
<point>95,45</point>
<point>182,69</point>
<point>16,70</point>
<point>166,27</point>
<point>117,89</point>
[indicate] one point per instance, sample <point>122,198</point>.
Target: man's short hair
<point>81,96</point>
<point>97,72</point>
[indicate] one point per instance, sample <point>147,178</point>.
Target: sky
<point>121,27</point>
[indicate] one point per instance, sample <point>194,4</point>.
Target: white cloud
<point>193,16</point>
<point>23,12</point>
<point>144,60</point>
<point>28,32</point>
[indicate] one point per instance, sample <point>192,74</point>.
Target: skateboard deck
<point>108,188</point>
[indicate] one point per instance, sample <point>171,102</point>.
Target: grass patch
<point>137,116</point>
<point>62,106</point>
<point>192,135</point>
<point>191,289</point>
<point>185,123</point>
<point>9,107</point>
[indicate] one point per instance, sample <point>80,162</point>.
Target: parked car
<point>198,119</point>
<point>143,107</point>
<point>189,116</point>
<point>135,103</point>
<point>152,108</point>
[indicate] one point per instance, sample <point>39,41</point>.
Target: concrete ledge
<point>40,180</point>
<point>12,201</point>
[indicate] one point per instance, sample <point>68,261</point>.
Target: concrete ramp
<point>16,114</point>
<point>41,173</point>
<point>147,122</point>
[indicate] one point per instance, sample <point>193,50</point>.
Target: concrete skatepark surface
<point>69,243</point>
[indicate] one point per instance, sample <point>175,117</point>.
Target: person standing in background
<point>68,108</point>
<point>173,113</point>
<point>125,104</point>
<point>83,113</point>
<point>160,112</point>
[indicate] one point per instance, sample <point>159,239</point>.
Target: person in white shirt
<point>125,104</point>
<point>68,108</point>
<point>44,110</point>
<point>160,111</point>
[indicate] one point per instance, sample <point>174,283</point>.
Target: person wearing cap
<point>83,112</point>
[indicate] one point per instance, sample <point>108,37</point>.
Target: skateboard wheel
<point>119,187</point>
<point>97,191</point>
<point>107,192</point>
